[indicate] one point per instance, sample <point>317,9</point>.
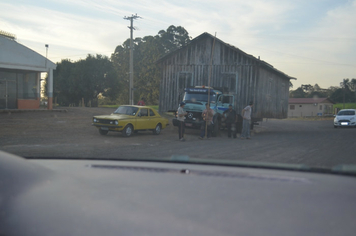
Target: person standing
<point>180,117</point>
<point>141,102</point>
<point>230,120</point>
<point>207,115</point>
<point>246,122</point>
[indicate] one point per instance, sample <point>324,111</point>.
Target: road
<point>70,134</point>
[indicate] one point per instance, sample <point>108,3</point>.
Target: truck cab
<point>196,98</point>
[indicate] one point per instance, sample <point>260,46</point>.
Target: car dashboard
<point>118,197</point>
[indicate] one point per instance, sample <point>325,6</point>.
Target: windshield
<point>74,75</point>
<point>346,113</point>
<point>199,97</point>
<point>126,110</point>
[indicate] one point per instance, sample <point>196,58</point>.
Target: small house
<point>307,107</point>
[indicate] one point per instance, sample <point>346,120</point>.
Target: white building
<point>20,73</point>
<point>305,107</point>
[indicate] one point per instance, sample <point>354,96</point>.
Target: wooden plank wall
<point>268,89</point>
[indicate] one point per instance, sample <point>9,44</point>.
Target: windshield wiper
<point>338,169</point>
<point>349,170</point>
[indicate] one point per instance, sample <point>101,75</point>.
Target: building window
<point>320,107</point>
<point>229,82</point>
<point>291,107</point>
<point>27,86</point>
<point>300,105</point>
<point>185,79</point>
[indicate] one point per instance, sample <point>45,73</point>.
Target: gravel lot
<point>70,134</point>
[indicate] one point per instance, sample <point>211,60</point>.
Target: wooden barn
<point>230,69</point>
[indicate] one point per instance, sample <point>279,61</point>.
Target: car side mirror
<point>139,114</point>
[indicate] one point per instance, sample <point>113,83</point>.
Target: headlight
<point>116,122</point>
<point>352,118</point>
<point>94,120</point>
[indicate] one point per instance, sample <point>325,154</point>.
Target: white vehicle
<point>345,117</point>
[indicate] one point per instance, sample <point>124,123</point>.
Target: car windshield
<point>199,97</point>
<point>126,110</point>
<point>346,113</point>
<point>107,80</point>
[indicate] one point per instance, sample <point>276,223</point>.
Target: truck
<point>196,99</point>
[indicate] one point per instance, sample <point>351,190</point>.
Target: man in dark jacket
<point>230,120</point>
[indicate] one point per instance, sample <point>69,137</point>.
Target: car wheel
<point>103,132</point>
<point>128,130</point>
<point>157,130</point>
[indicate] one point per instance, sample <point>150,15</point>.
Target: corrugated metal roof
<point>17,56</point>
<point>262,63</point>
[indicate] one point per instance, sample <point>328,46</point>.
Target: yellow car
<point>128,119</point>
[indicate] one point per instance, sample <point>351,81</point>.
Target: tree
<point>290,85</point>
<point>352,86</point>
<point>298,93</point>
<point>317,92</point>
<point>85,79</point>
<point>342,94</point>
<point>307,88</point>
<point>173,38</point>
<point>64,86</point>
<point>147,73</point>
<point>97,76</point>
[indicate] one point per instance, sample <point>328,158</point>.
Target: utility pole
<point>46,55</point>
<point>131,92</point>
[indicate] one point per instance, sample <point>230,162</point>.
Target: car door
<point>153,119</point>
<point>142,119</point>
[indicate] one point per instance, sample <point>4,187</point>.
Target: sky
<point>313,41</point>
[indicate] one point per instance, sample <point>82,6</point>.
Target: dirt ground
<point>70,134</point>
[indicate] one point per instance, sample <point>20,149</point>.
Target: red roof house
<point>306,107</point>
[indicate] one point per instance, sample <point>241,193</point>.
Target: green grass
<point>116,106</point>
<point>347,105</point>
<point>109,106</point>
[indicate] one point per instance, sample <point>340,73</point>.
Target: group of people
<point>207,126</point>
<point>208,115</point>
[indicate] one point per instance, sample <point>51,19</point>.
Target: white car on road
<point>345,117</point>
